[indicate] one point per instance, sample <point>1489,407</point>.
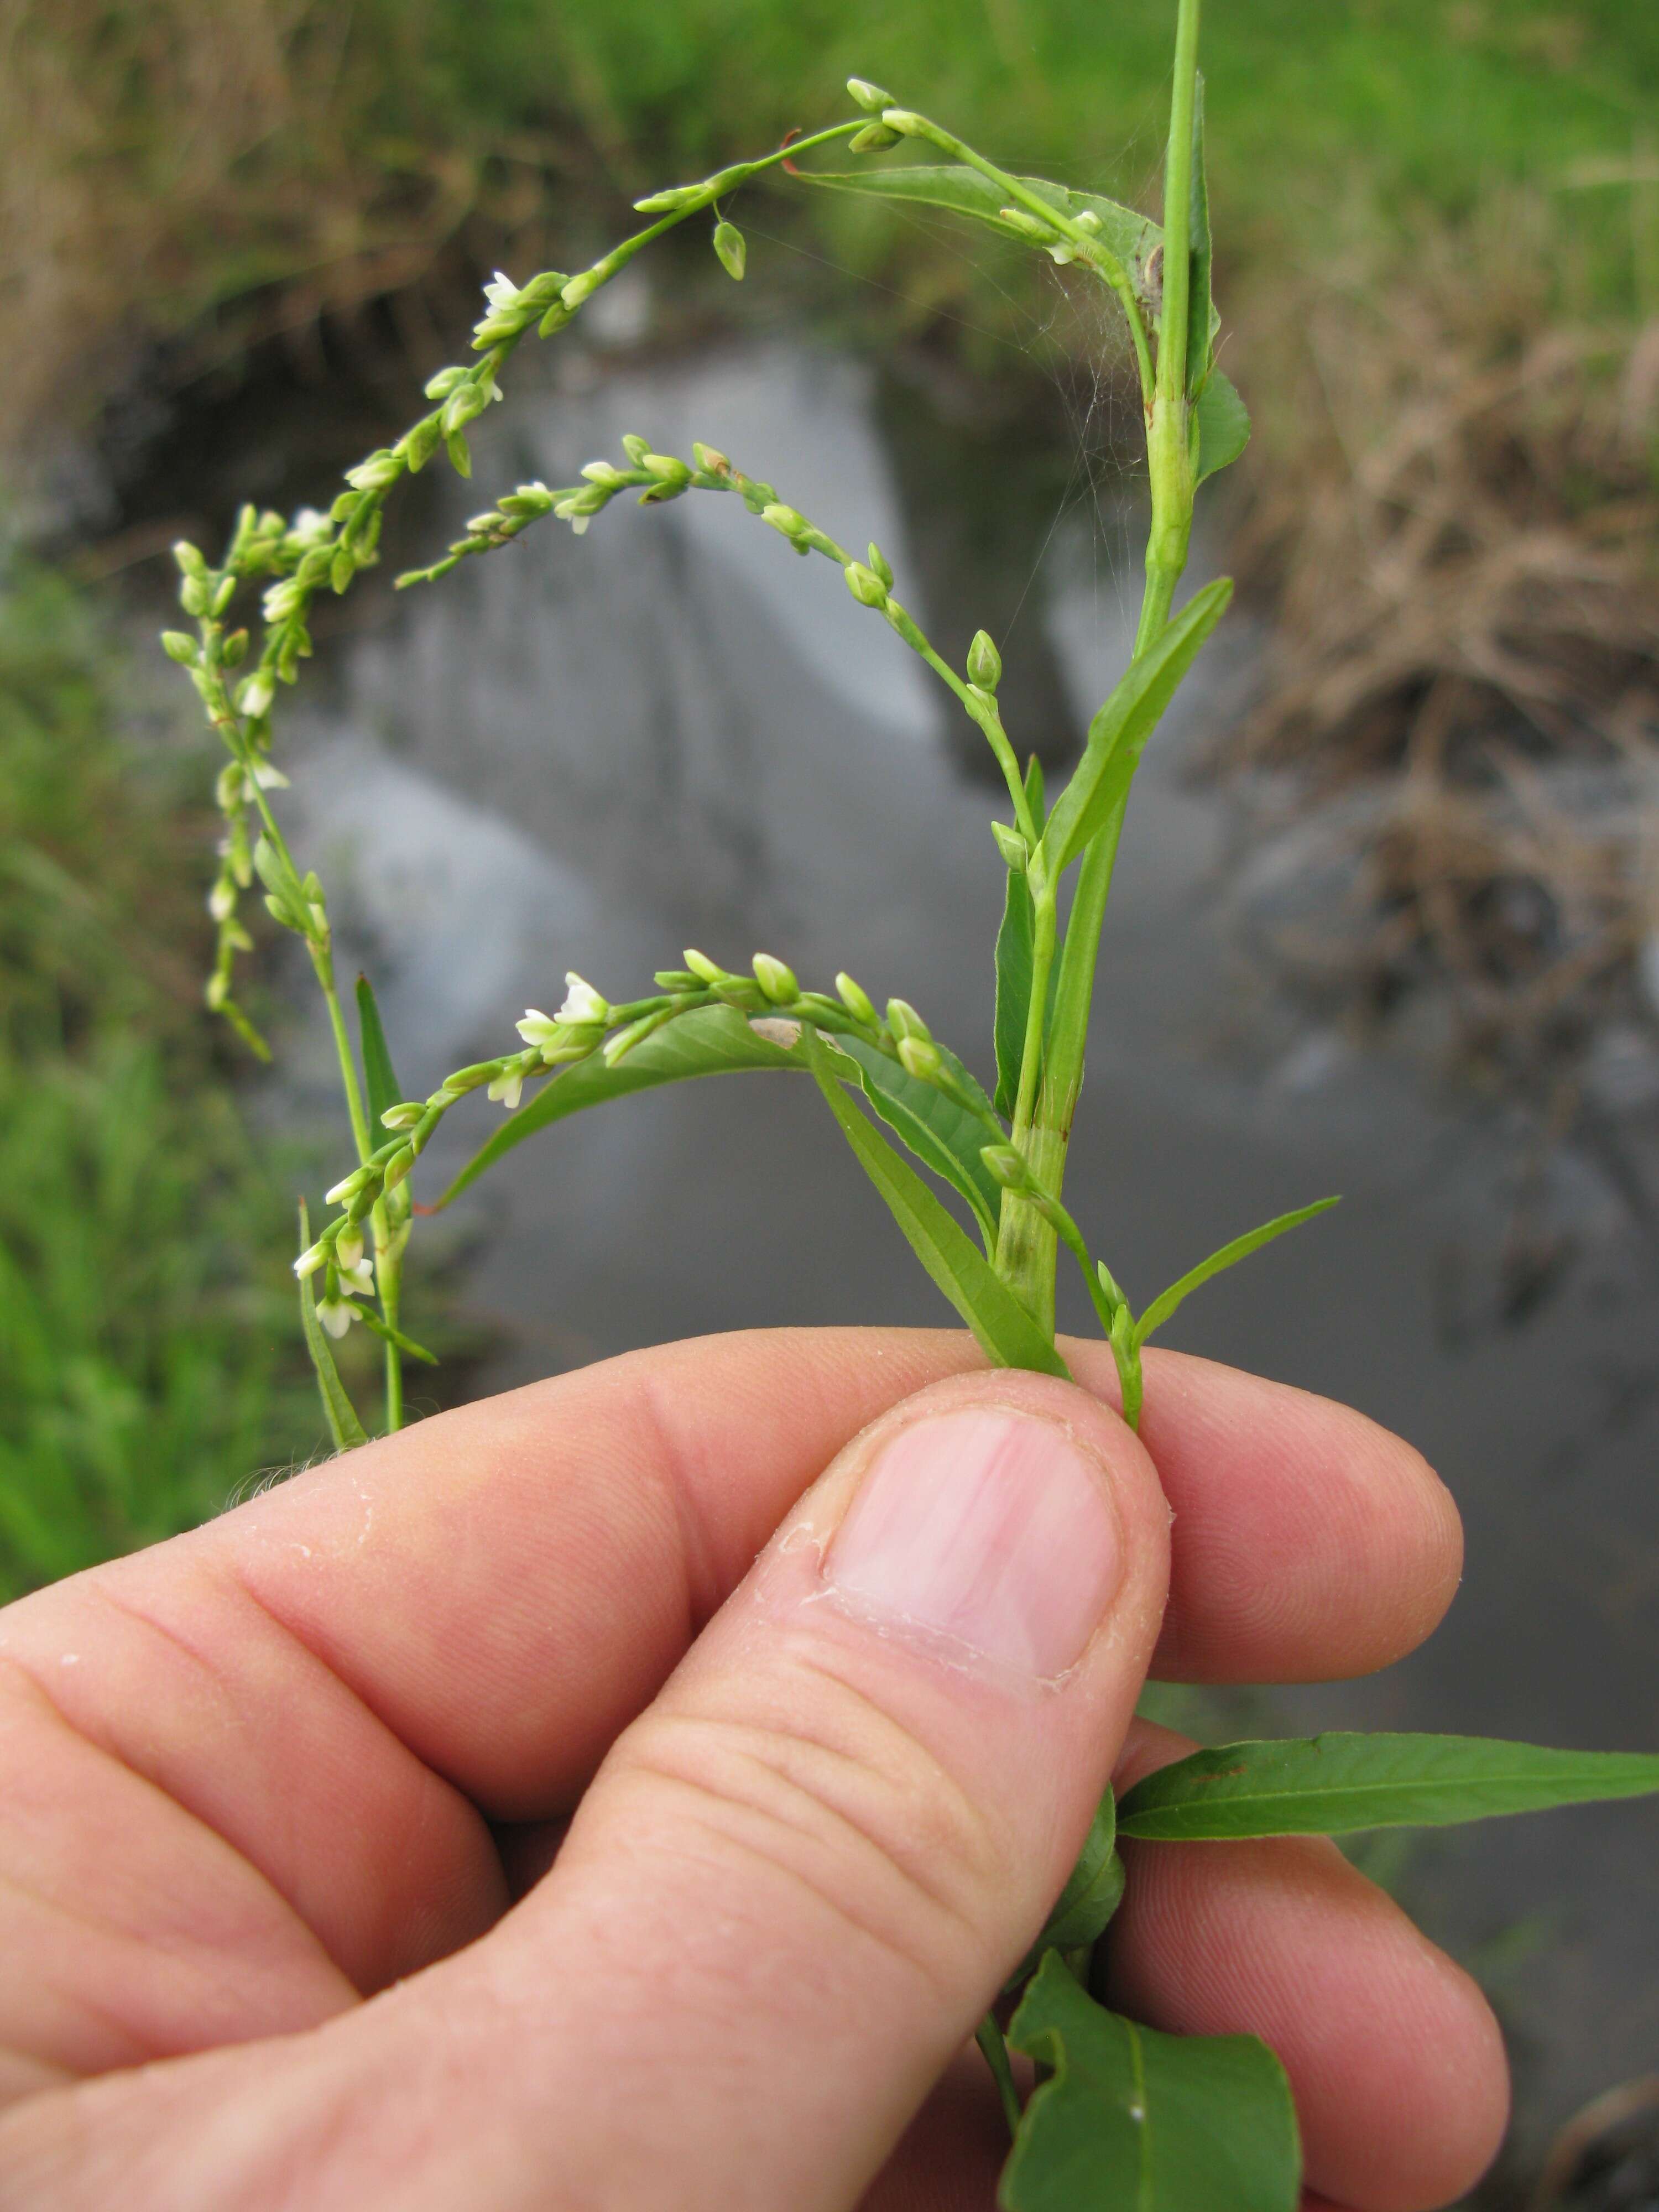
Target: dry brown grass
<point>1463,691</point>
<point>214,171</point>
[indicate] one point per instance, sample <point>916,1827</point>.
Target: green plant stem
<point>1027,1251</point>
<point>388,1280</point>
<point>989,2038</point>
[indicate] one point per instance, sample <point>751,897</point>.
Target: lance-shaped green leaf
<point>1007,1333</point>
<point>343,1423</point>
<point>1132,2118</point>
<point>379,1077</point>
<point>1229,1256</point>
<point>945,1135</point>
<point>953,189</point>
<point>387,1334</point>
<point>712,1041</point>
<point>1118,734</point>
<point>1333,1784</point>
<point>1224,425</point>
<point>1093,1892</point>
<point>1014,961</point>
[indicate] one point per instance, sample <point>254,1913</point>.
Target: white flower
<point>310,1260</point>
<point>501,291</point>
<point>268,778</point>
<point>358,1282</point>
<point>537,1028</point>
<point>222,900</point>
<point>336,1315</point>
<point>311,524</point>
<point>349,1248</point>
<point>347,1188</point>
<point>509,1087</point>
<point>582,1003</point>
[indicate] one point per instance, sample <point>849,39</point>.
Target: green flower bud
<point>870,97</point>
<point>775,978</point>
<point>193,596</point>
<point>919,1057</point>
<point>1012,845</point>
<point>397,1167</point>
<point>732,249</point>
<point>865,584</point>
<point>190,561</point>
<point>404,1115</point>
<point>874,138</point>
<point>1007,1165</point>
<point>855,1000</point>
<point>879,563</point>
<point>711,460</point>
<point>580,288</point>
<point>440,386</point>
<point>707,970</point>
<point>785,519</point>
<point>665,202</point>
<point>179,644</point>
<point>904,1021</point>
<point>635,448</point>
<point>234,649</point>
<point>667,470</point>
<point>1028,226</point>
<point>984,662</point>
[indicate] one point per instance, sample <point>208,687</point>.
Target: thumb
<point>794,1888</point>
<point>802,1877</point>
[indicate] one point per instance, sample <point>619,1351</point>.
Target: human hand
<point>809,1809</point>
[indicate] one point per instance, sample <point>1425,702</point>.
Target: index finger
<point>506,1586</point>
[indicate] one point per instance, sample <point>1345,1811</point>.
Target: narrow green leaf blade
<point>1118,734</point>
<point>1333,1784</point>
<point>379,1077</point>
<point>714,1041</point>
<point>944,1135</point>
<point>1133,2118</point>
<point>1224,425</point>
<point>343,1423</point>
<point>1007,1333</point>
<point>953,189</point>
<point>1014,944</point>
<point>387,1334</point>
<point>1093,1892</point>
<point>1229,1256</point>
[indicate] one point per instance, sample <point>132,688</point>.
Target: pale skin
<point>280,1802</point>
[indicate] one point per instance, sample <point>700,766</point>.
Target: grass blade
<point>1333,1784</point>
<point>1229,1256</point>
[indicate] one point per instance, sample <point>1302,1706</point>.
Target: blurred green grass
<point>147,1354</point>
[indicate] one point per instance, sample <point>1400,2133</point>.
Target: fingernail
<point>987,1527</point>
